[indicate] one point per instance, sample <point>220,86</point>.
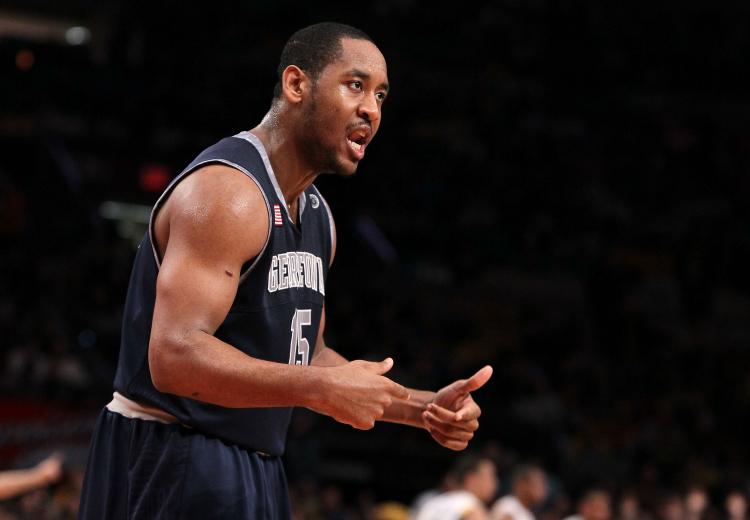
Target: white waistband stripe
<point>132,410</point>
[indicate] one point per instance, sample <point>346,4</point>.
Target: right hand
<point>50,469</point>
<point>358,394</point>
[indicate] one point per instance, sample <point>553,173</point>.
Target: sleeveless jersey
<point>275,315</point>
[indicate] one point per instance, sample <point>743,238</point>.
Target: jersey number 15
<point>299,349</point>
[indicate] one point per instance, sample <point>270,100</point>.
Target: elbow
<point>163,364</point>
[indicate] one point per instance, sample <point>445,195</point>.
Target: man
<point>594,505</point>
<point>223,323</point>
<point>735,505</point>
<point>477,483</point>
<point>697,503</point>
<point>528,491</point>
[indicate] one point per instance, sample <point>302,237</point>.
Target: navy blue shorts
<point>148,470</point>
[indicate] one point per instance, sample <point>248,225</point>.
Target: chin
<point>342,168</point>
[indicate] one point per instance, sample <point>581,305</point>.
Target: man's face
<point>538,487</point>
<point>482,483</point>
<point>736,505</point>
<point>342,114</point>
<point>596,508</point>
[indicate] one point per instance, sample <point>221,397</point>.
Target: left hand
<point>452,416</point>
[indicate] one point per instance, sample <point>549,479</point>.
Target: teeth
<point>356,146</point>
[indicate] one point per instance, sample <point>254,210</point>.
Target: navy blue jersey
<point>275,315</point>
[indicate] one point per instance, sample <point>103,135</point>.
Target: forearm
<point>18,482</point>
<point>409,411</point>
<point>204,368</point>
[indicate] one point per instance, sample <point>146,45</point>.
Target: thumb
<point>476,381</point>
<point>380,367</point>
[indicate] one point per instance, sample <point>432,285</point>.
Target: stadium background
<point>558,188</point>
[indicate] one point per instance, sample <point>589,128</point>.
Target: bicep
<point>193,291</point>
<point>216,223</point>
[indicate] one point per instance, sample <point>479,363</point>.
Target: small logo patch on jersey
<point>277,216</point>
<point>314,201</point>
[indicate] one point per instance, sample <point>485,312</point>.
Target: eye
<point>380,96</point>
<point>356,85</point>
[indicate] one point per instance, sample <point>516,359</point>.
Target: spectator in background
<point>528,491</point>
<point>18,482</point>
<point>696,503</point>
<point>671,507</point>
<point>477,483</point>
<point>447,484</point>
<point>629,507</point>
<point>595,505</point>
<point>735,505</point>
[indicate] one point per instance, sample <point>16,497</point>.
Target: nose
<point>369,108</point>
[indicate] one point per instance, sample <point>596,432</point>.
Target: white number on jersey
<point>299,349</point>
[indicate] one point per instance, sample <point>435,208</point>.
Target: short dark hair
<point>465,464</point>
<point>523,472</point>
<point>314,47</point>
<point>592,494</point>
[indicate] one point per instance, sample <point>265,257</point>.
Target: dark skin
<point>216,220</point>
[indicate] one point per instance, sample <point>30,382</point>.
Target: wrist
<point>318,389</point>
<point>409,411</point>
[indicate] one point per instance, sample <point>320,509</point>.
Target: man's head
<point>332,84</point>
<point>696,501</point>
<point>595,505</point>
<point>736,504</point>
<point>477,475</point>
<point>529,485</point>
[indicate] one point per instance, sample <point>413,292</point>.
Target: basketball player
<point>224,318</point>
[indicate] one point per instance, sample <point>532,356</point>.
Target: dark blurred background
<point>558,188</point>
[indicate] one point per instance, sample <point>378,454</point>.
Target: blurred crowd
<point>558,189</point>
<point>475,487</point>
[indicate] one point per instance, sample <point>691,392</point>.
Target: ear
<point>294,84</point>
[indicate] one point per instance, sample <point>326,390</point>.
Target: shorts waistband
<point>133,410</point>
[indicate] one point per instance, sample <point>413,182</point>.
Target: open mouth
<point>357,140</point>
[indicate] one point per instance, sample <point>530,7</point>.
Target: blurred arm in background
<point>17,482</point>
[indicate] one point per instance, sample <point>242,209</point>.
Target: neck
<point>293,173</point>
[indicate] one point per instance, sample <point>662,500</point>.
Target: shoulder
<point>504,504</point>
<point>217,191</point>
<point>221,206</point>
<point>509,506</point>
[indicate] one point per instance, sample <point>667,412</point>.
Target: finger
<point>447,429</point>
<point>469,411</point>
<point>398,391</point>
<point>362,425</point>
<point>476,381</point>
<point>469,426</point>
<point>450,432</point>
<point>446,416</point>
<point>442,413</point>
<point>448,443</point>
<point>379,367</point>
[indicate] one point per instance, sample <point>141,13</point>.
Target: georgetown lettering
<point>296,269</point>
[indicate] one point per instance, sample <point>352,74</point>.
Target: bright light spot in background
<point>154,177</point>
<point>24,59</point>
<point>77,35</point>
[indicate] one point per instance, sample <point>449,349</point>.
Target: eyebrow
<point>365,75</point>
